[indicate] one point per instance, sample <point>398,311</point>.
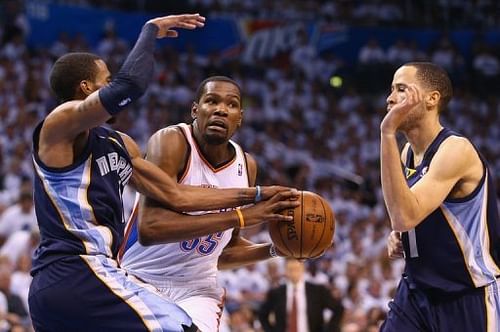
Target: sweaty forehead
<point>222,88</point>
<point>405,75</point>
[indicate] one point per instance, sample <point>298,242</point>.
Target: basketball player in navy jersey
<point>203,154</point>
<point>80,172</point>
<point>444,203</point>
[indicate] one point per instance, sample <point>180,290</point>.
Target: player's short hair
<point>433,77</point>
<point>201,88</point>
<point>69,70</point>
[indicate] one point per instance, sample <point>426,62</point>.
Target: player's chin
<point>215,138</point>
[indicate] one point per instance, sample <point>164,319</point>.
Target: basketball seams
<point>280,229</point>
<point>325,212</point>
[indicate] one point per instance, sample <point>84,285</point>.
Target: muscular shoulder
<point>171,136</point>
<point>61,114</point>
<point>167,148</point>
<point>132,147</point>
<point>459,150</point>
<point>457,158</point>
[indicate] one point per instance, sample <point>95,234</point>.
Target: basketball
<point>310,233</point>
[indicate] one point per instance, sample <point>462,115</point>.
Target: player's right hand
<point>270,191</point>
<point>184,21</point>
<point>394,245</point>
<point>269,210</point>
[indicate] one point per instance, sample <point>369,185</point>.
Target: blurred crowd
<point>407,13</point>
<point>303,132</point>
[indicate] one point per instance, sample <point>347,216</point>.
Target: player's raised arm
<point>95,101</point>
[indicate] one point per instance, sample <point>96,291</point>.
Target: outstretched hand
<point>184,21</point>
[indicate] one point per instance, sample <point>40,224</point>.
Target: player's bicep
<point>252,169</point>
<point>72,118</point>
<point>449,165</point>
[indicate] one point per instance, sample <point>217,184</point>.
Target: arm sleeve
<point>133,78</point>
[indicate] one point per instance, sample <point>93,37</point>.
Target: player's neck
<point>215,154</point>
<point>421,136</point>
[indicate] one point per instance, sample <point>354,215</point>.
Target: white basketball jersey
<point>193,260</point>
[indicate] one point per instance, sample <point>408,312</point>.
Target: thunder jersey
<point>195,259</point>
<point>79,207</point>
<point>457,247</point>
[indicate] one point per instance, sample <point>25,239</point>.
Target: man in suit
<point>298,305</point>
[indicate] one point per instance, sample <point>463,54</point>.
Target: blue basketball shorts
<point>415,310</point>
<point>91,293</point>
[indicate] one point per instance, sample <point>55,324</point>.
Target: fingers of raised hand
<point>413,95</point>
<point>189,21</point>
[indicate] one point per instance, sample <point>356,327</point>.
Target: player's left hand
<point>394,245</point>
<point>398,112</point>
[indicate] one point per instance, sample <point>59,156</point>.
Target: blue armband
<point>133,78</point>
<point>258,194</point>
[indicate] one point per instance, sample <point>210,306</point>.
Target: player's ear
<point>86,87</point>
<point>194,110</point>
<point>432,99</point>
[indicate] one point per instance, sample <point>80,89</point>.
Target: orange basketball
<point>311,231</point>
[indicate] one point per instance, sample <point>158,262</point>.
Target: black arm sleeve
<point>133,78</point>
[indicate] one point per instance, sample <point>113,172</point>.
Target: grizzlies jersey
<point>192,260</point>
<point>79,207</point>
<point>457,247</point>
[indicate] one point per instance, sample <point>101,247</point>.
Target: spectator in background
<point>19,217</point>
<point>298,305</point>
<point>17,315</point>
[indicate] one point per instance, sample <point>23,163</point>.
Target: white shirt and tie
<point>301,306</point>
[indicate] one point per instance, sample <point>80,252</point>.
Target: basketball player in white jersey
<point>198,154</point>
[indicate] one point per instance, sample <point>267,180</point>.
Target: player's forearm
<point>201,199</point>
<point>135,74</point>
<point>158,225</point>
<point>232,258</point>
<point>399,199</point>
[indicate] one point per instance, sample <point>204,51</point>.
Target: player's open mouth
<point>217,124</point>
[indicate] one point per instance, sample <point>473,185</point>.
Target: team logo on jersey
<point>240,170</point>
<point>424,171</point>
<point>409,172</point>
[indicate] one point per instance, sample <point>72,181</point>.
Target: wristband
<point>258,194</point>
<point>272,251</point>
<point>240,217</point>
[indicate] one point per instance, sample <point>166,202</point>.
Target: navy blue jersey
<point>79,208</point>
<point>457,247</point>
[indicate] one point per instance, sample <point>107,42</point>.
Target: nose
<point>390,98</point>
<point>221,110</point>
